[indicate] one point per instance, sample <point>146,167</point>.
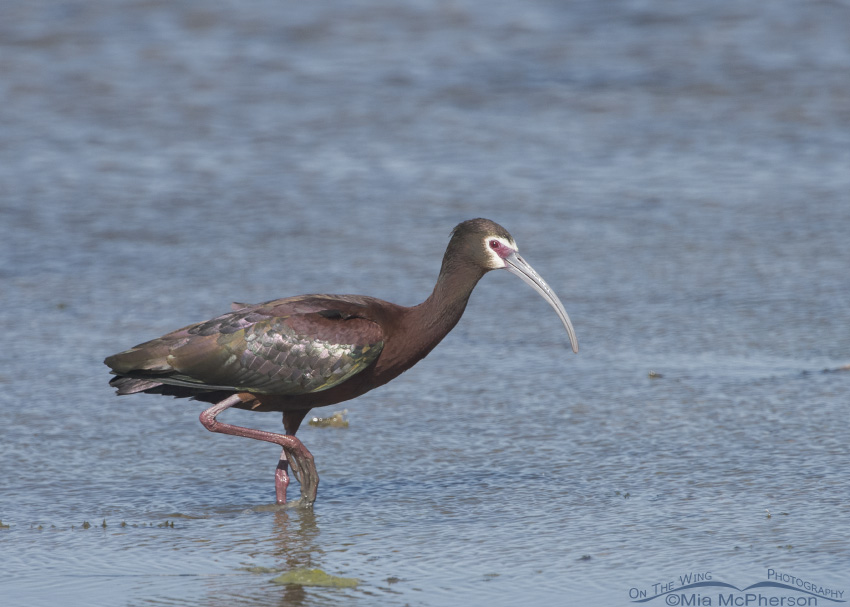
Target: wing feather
<point>266,349</point>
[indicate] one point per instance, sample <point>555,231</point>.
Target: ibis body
<point>291,355</point>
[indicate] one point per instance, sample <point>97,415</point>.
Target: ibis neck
<point>438,314</point>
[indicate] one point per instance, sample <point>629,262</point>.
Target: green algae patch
<point>337,420</point>
<point>315,577</point>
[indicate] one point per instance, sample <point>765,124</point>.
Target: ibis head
<point>489,246</point>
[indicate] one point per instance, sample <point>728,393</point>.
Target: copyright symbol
<point>673,599</point>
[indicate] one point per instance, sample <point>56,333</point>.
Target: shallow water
<point>677,172</point>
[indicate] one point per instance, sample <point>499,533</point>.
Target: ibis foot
<point>304,469</point>
<point>294,452</point>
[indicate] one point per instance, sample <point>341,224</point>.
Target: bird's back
<point>291,346</point>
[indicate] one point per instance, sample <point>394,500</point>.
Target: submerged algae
<point>337,420</point>
<point>315,577</point>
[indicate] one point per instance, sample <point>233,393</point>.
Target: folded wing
<point>285,347</point>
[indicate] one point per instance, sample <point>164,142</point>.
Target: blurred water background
<point>679,172</point>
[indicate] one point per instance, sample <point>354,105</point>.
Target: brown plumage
<point>290,355</point>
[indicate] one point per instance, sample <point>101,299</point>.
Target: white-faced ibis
<point>290,355</point>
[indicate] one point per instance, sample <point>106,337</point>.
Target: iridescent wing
<point>285,347</point>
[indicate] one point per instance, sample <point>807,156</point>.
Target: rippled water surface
<point>678,172</point>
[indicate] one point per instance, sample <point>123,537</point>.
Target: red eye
<point>495,244</point>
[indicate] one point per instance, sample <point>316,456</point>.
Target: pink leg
<point>294,452</point>
<point>281,478</point>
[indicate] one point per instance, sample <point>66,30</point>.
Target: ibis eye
<point>495,244</point>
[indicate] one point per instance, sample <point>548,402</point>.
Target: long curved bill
<point>517,265</point>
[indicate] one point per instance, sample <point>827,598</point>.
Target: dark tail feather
<point>131,385</point>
